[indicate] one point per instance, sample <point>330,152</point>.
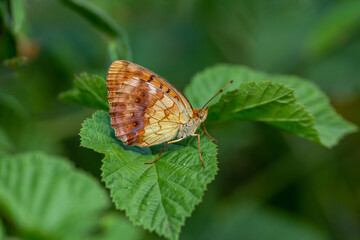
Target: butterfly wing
<point>145,110</point>
<point>121,70</point>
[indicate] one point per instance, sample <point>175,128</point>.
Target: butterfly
<point>146,110</point>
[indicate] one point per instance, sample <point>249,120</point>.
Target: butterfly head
<point>202,114</point>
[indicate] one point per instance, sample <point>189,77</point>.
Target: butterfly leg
<point>198,135</point>
<point>208,133</point>
<point>174,141</point>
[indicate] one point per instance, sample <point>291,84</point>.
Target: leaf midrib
<point>260,104</point>
<point>161,200</point>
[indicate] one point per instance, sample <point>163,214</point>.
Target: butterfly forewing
<point>120,71</point>
<point>145,110</point>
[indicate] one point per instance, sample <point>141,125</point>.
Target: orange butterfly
<point>147,110</point>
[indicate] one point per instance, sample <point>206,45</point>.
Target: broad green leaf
<point>268,102</point>
<point>158,196</point>
<point>88,91</point>
<point>112,226</point>
<point>45,197</point>
<point>329,125</point>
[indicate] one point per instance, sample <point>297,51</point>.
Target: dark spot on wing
<point>151,78</point>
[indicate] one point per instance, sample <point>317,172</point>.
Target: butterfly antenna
<point>217,93</point>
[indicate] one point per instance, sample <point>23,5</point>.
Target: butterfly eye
<point>135,123</point>
<point>137,100</point>
<point>201,114</point>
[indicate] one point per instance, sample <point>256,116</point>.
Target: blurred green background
<point>271,185</point>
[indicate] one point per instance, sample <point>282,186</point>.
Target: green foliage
<point>13,13</point>
<point>334,28</point>
<point>15,62</point>
<point>120,50</point>
<point>112,226</point>
<point>268,102</point>
<point>2,9</point>
<point>88,91</point>
<point>46,198</point>
<point>329,125</point>
<point>317,39</point>
<point>116,47</point>
<point>158,196</point>
<point>5,143</point>
<point>2,230</point>
<point>18,14</point>
<point>10,103</point>
<point>244,219</point>
<point>20,132</point>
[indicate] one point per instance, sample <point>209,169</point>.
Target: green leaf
<point>18,15</point>
<point>335,28</point>
<point>15,62</point>
<point>9,102</point>
<point>5,144</point>
<point>105,24</point>
<point>329,125</point>
<point>2,230</point>
<point>112,226</point>
<point>260,222</point>
<point>268,102</point>
<point>158,196</point>
<point>116,49</point>
<point>45,197</point>
<point>88,91</point>
<point>2,11</point>
<point>94,15</point>
<point>12,12</point>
